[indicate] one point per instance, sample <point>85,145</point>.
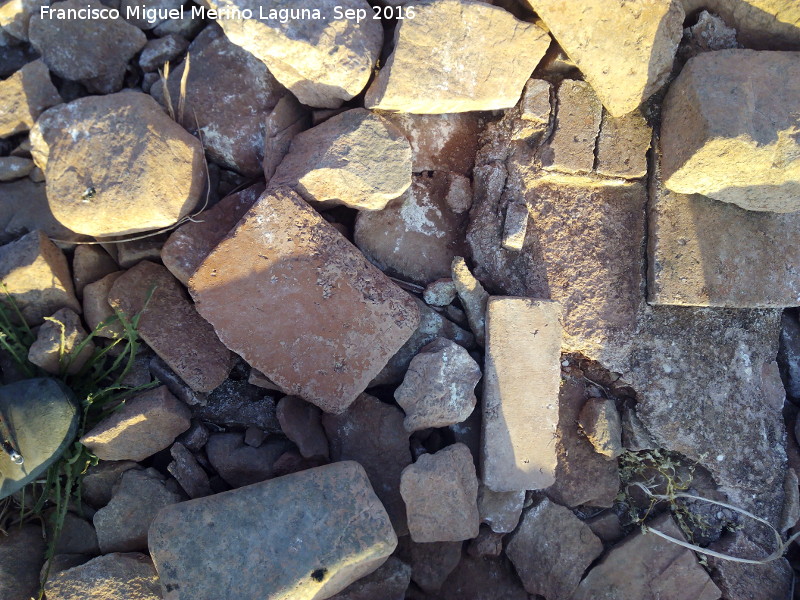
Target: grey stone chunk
<point>441,495</point>
<point>324,529</point>
<point>601,424</point>
<point>240,405</point>
<point>161,50</point>
<point>439,386</point>
<point>352,436</point>
<point>100,480</point>
<point>56,346</point>
<point>473,297</point>
<point>148,423</point>
<point>390,580</point>
<point>38,419</point>
<point>535,103</point>
<point>551,549</point>
<point>36,276</point>
<point>440,292</point>
<point>355,159</point>
<point>25,95</point>
<point>14,167</point>
<point>129,576</point>
<point>500,510</point>
<point>515,226</point>
<point>240,464</point>
<point>431,326</point>
<point>301,422</point>
<point>188,473</point>
<point>93,51</point>
<point>647,566</point>
<point>123,523</point>
<point>21,557</point>
<point>432,562</point>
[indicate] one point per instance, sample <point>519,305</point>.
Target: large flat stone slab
<point>520,394</point>
<point>304,536</point>
<point>287,292</point>
<point>708,253</point>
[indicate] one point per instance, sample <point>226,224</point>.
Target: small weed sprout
<point>99,388</point>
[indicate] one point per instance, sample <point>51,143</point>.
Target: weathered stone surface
<point>56,345</point>
<point>416,236</point>
<point>551,549</point>
<point>515,226</point>
<point>77,535</point>
<point>171,326</point>
<point>440,292</point>
<point>35,274</point>
<point>240,464</point>
<point>622,146</point>
<point>188,245</point>
<point>702,253</point>
<point>606,526</point>
<point>15,18</point>
<point>789,353</point>
<point>577,125</point>
<point>90,263</point>
<point>585,248</point>
<point>284,122</point>
<point>100,479</point>
<point>729,129</point>
<point>324,530</point>
<point>25,209</point>
<point>600,422</point>
<point>195,437</point>
<point>128,576</point>
<point>520,394</point>
<point>154,177</point>
<point>441,495</point>
<point>239,405</point>
<point>134,251</point>
<point>123,523</point>
<point>372,433</point>
<point>300,422</point>
<point>473,297</point>
<point>708,34</point>
<point>445,142</point>
<point>483,579</point>
<point>232,130</point>
<point>14,167</point>
<point>500,510</point>
<point>582,476</point>
<point>647,567</point>
<point>488,543</point>
<point>21,556</point>
<point>439,386</point>
<point>322,60</point>
<point>464,74</point>
<point>738,581</point>
<point>187,26</point>
<point>93,51</point>
<point>24,96</point>
<point>42,418</point>
<point>624,50</point>
<point>431,563</point>
<point>146,424</point>
<point>352,318</point>
<point>354,158</point>
<point>96,308</point>
<point>761,24</point>
<point>389,581</point>
<point>431,326</point>
<point>161,50</point>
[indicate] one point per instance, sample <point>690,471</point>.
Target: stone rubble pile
<point>420,297</point>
